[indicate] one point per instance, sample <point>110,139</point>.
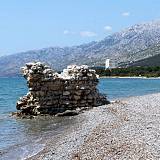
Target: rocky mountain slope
<point>147,62</point>
<point>151,57</point>
<point>123,47</point>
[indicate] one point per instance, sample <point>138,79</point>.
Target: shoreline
<point>127,77</point>
<point>125,125</point>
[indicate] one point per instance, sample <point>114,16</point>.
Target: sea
<point>22,138</point>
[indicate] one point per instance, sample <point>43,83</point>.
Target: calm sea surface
<point>23,137</point>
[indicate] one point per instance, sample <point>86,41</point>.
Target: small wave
<point>23,152</point>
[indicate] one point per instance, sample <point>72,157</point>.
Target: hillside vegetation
<point>130,72</point>
<point>152,60</point>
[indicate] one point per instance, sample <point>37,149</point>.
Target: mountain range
<point>128,46</point>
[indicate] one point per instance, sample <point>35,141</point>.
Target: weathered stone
<point>77,97</point>
<point>52,93</point>
<point>66,93</point>
<point>78,92</point>
<point>67,113</point>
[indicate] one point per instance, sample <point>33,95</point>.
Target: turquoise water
<point>24,137</point>
<point>125,87</point>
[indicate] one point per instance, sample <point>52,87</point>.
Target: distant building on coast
<point>109,64</point>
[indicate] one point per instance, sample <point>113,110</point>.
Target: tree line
<point>130,71</point>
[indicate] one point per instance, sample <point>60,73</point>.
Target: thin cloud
<point>108,28</point>
<point>67,32</point>
<point>87,34</point>
<point>125,14</point>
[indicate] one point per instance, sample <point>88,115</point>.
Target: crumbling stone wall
<point>52,93</point>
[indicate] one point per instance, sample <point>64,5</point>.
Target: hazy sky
<point>35,24</point>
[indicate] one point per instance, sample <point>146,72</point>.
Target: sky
<point>35,24</point>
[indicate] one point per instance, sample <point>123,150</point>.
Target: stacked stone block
<point>52,93</point>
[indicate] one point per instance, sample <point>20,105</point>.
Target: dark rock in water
<point>68,113</point>
<point>22,115</point>
<point>52,93</point>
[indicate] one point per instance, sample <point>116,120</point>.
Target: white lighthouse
<point>107,64</point>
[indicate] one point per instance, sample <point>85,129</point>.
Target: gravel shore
<point>126,129</point>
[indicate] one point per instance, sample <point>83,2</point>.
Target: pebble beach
<point>125,129</point>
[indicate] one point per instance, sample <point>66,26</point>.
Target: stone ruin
<point>50,93</point>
